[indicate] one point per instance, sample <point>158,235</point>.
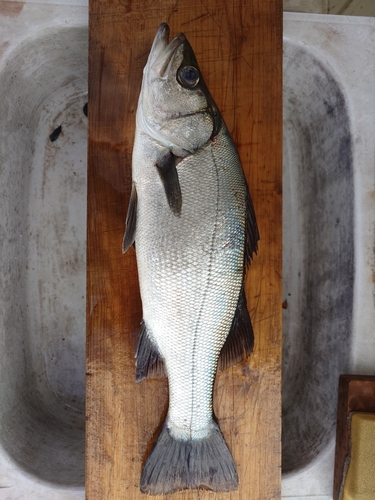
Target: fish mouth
<point>162,53</point>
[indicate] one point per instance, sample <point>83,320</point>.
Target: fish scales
<point>188,218</point>
<point>190,273</point>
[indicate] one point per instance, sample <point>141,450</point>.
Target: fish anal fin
<point>167,170</point>
<point>251,231</point>
<point>175,465</point>
<point>240,341</point>
<point>149,363</point>
<point>131,220</point>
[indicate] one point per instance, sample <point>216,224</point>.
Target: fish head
<point>175,107</point>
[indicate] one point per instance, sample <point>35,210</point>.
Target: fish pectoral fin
<point>240,341</point>
<point>131,221</point>
<point>167,170</point>
<point>251,231</point>
<point>149,363</point>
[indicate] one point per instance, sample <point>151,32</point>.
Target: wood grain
<point>238,45</point>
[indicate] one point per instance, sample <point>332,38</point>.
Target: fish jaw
<point>161,54</point>
<point>158,45</point>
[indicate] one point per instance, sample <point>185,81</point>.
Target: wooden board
<point>356,393</point>
<point>238,45</point>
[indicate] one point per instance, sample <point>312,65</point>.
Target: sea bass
<point>192,223</point>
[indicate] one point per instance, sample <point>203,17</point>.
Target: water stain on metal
<point>11,9</point>
<point>55,134</point>
<point>328,107</point>
<point>3,47</point>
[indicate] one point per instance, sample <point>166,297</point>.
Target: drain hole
<point>85,109</point>
<point>55,134</point>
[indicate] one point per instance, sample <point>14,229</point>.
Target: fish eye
<point>188,76</point>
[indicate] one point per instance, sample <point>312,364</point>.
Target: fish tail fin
<point>175,465</point>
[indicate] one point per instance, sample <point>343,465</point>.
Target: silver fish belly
<point>193,225</point>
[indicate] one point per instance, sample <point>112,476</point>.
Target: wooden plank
<point>238,46</point>
<point>356,393</point>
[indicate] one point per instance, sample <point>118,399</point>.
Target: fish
<point>192,224</point>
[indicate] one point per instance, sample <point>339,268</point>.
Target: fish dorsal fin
<point>149,363</point>
<point>169,177</point>
<point>240,341</point>
<point>131,220</point>
<point>251,231</point>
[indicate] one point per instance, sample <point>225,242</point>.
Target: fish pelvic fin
<point>149,363</point>
<point>240,341</point>
<point>131,220</point>
<point>175,465</point>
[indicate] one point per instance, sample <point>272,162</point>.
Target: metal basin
<point>43,131</point>
<point>328,221</point>
<point>318,253</point>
